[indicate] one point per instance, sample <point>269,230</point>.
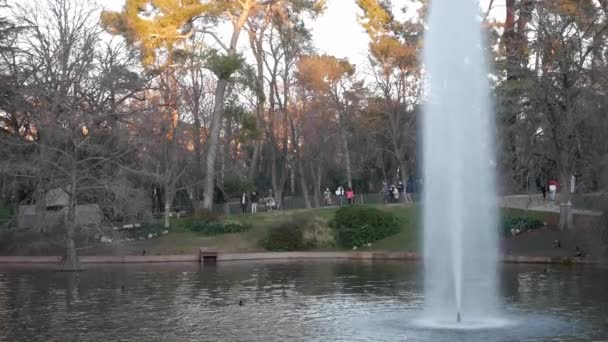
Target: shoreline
<point>205,256</point>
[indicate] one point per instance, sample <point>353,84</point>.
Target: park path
<point>537,203</point>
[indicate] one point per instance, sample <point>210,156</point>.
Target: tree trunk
<point>71,262</point>
<point>273,166</point>
<point>256,43</point>
<point>225,157</point>
<point>218,110</point>
<point>284,174</point>
<point>303,183</point>
<point>212,144</point>
<point>565,202</point>
<point>402,168</point>
<point>257,147</point>
<point>292,181</point>
<point>169,194</point>
<point>198,168</point>
<point>344,138</point>
<point>316,178</point>
<point>304,186</point>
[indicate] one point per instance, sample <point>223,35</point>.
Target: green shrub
<point>286,237</point>
<point>520,224</point>
<point>358,226</point>
<point>299,234</point>
<point>217,228</point>
<point>146,231</point>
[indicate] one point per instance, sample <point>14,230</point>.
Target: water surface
<point>285,301</point>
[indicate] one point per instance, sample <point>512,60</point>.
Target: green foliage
<point>300,233</point>
<point>217,228</point>
<point>286,237</point>
<point>223,66</point>
<point>249,129</point>
<point>154,24</point>
<point>313,7</point>
<point>247,76</point>
<point>519,224</point>
<point>146,231</point>
<point>358,226</point>
<point>235,186</point>
<point>378,16</point>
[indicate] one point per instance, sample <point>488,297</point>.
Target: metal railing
<point>297,202</point>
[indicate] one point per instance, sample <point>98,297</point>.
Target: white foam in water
<point>482,323</point>
<point>460,215</point>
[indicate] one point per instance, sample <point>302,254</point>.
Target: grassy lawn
<point>181,240</point>
<point>410,238</point>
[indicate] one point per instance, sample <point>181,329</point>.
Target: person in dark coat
<point>244,202</point>
<point>409,190</point>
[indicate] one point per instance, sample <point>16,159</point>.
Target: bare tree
<point>70,112</point>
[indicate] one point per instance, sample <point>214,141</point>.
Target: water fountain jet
<point>459,199</point>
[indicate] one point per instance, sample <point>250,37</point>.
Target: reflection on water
<point>297,301</point>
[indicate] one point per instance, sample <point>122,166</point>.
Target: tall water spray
<point>460,215</point>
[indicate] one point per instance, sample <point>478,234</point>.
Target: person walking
<point>409,191</point>
<point>401,189</point>
<point>386,191</point>
<point>340,195</point>
<point>396,194</point>
<point>244,202</point>
<point>350,196</point>
<point>270,202</point>
<point>552,189</point>
<point>543,190</point>
<point>327,197</point>
<point>254,202</point>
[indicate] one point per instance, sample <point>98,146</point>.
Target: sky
<point>337,31</point>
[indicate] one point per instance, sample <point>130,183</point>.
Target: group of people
<point>340,195</point>
<point>254,199</point>
<point>396,194</point>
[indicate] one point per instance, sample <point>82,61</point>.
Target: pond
<point>285,301</point>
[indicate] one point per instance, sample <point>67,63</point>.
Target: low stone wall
<point>123,259</point>
<point>30,259</point>
<point>316,255</point>
<point>110,259</point>
<point>226,257</point>
<point>404,256</point>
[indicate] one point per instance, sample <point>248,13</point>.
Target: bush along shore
<point>350,228</point>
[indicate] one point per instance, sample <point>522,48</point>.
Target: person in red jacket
<point>553,184</point>
<point>350,196</point>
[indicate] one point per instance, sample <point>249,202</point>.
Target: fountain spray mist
<point>460,212</point>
